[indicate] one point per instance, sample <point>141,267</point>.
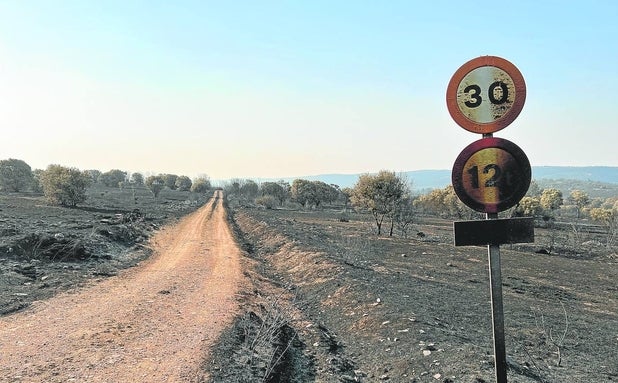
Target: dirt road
<point>153,323</point>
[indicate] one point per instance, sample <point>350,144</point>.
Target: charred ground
<point>368,308</point>
<point>46,249</point>
<point>333,302</point>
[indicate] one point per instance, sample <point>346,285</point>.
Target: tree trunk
<point>378,222</point>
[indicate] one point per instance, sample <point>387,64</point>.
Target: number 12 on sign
<point>492,181</point>
<point>491,175</point>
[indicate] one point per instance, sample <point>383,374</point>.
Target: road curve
<point>152,323</point>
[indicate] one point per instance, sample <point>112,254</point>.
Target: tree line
<point>386,196</point>
<point>67,186</point>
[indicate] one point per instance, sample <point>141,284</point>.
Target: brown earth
<point>154,322</point>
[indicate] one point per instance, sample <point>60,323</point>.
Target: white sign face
<point>486,94</point>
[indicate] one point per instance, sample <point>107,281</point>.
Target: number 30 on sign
<point>491,175</point>
<point>486,94</point>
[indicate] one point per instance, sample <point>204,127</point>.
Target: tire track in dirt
<point>152,323</point>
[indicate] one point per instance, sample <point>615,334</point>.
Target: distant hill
<point>606,174</point>
<point>601,181</point>
<point>432,179</point>
<point>421,179</point>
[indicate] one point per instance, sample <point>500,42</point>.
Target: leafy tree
<point>326,193</point>
<point>609,219</point>
<point>95,175</point>
<point>453,204</point>
<point>286,186</point>
<point>37,185</point>
<point>580,199</point>
<point>170,180</point>
<point>274,189</point>
<point>268,201</point>
<point>249,189</point>
<point>380,194</point>
<point>551,199</point>
<point>65,186</point>
<point>113,178</point>
<point>137,178</point>
<point>346,194</point>
<point>530,207</point>
<point>303,192</point>
<point>201,185</point>
<point>233,188</point>
<point>155,184</point>
<point>15,175</point>
<point>442,202</point>
<point>313,193</point>
<point>183,183</point>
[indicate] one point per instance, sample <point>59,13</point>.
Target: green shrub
<point>65,186</point>
<point>268,201</point>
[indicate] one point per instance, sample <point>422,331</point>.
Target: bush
<point>113,178</point>
<point>155,184</point>
<point>137,179</point>
<point>170,180</point>
<point>15,175</point>
<point>37,186</point>
<point>201,185</point>
<point>268,201</point>
<point>183,183</point>
<point>65,186</point>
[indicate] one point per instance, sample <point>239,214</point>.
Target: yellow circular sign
<point>491,175</point>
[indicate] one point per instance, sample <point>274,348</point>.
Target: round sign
<point>486,94</point>
<point>491,175</point>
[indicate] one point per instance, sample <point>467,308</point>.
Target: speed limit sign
<point>491,175</point>
<point>486,94</point>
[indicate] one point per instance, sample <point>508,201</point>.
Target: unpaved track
<point>152,323</point>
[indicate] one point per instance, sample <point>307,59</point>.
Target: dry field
<point>363,308</point>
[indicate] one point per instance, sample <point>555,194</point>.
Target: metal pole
<point>497,313</point>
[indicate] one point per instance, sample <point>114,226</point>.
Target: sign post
<point>497,312</point>
<point>490,175</point>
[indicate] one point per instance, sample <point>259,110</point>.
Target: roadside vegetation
<point>389,198</point>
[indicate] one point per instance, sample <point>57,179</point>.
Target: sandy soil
<point>152,323</point>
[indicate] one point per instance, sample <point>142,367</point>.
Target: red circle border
<point>508,117</point>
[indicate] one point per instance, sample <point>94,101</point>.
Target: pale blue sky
<point>291,88</point>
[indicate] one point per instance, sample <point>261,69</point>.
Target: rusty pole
<point>497,313</point>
